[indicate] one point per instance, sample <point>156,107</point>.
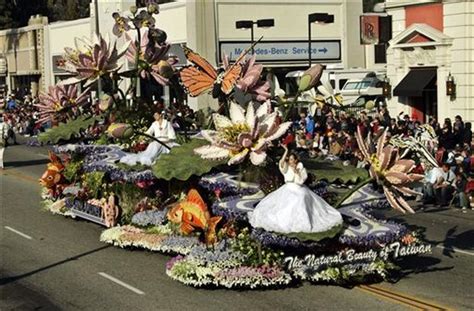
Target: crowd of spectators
<point>329,134</point>
<point>332,136</point>
<point>20,116</point>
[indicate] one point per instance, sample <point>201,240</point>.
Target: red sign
<point>369,29</point>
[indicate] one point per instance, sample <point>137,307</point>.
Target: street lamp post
<point>261,23</point>
<point>323,18</point>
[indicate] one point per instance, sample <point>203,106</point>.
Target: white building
<point>209,28</point>
<point>58,36</point>
<point>431,40</point>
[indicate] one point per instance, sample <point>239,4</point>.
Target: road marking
<point>410,301</point>
<point>19,233</point>
<point>129,287</point>
<point>455,249</point>
<point>17,174</point>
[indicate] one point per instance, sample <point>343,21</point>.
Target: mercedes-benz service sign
<point>285,51</point>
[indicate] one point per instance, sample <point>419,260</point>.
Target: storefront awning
<point>415,82</point>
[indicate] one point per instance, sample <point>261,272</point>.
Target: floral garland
<point>195,274</point>
<point>351,273</point>
<point>157,238</point>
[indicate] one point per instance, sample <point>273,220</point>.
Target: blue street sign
<point>284,51</point>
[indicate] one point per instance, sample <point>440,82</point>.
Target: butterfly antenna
<point>246,51</point>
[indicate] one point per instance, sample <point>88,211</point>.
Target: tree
<point>6,13</point>
<point>68,9</point>
<point>16,13</point>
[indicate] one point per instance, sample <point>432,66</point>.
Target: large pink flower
<point>60,103</point>
<point>391,172</point>
<point>90,61</point>
<point>250,81</point>
<point>246,133</point>
<point>153,59</point>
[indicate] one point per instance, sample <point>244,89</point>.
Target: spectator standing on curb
<point>3,139</point>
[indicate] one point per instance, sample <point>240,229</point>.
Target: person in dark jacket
<point>446,139</point>
<point>467,134</point>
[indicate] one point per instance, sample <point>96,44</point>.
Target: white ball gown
<point>294,208</point>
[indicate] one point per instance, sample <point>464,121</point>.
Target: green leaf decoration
<point>334,171</point>
<point>67,131</point>
<point>181,163</point>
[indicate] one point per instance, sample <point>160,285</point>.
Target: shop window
<point>380,53</point>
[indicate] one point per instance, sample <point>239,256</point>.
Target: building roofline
<point>21,29</point>
<point>59,24</point>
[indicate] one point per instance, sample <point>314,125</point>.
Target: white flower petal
<point>267,124</point>
<point>220,121</point>
<point>212,152</point>
<point>259,145</point>
<point>237,113</point>
<point>83,44</point>
<point>123,49</point>
<point>262,111</point>
<point>239,157</point>
<point>250,116</point>
<point>279,132</point>
<point>71,80</point>
<point>209,135</point>
<point>257,158</point>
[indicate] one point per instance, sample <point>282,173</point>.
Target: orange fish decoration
<point>192,213</point>
<point>52,178</point>
<point>203,77</point>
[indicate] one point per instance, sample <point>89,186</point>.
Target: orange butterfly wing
<point>230,78</point>
<point>195,81</point>
<point>200,78</point>
<point>199,61</point>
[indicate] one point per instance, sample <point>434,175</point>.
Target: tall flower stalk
<point>389,171</point>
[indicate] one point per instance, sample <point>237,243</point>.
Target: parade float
<point>192,200</point>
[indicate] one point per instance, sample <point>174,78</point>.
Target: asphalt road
<point>50,262</point>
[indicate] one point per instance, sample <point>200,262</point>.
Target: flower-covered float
<point>193,201</point>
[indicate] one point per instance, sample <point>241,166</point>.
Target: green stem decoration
<point>352,191</point>
<point>137,58</point>
<point>154,138</point>
<point>259,252</point>
<point>291,105</point>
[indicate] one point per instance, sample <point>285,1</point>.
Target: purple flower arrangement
<point>272,240</point>
<point>220,255</point>
<point>150,218</point>
<point>229,212</point>
<point>102,158</point>
<point>376,231</point>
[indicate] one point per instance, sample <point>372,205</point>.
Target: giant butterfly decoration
<point>202,77</point>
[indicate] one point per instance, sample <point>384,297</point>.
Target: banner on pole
<point>369,29</point>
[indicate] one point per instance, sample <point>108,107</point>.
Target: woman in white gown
<point>294,208</point>
<point>161,129</point>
